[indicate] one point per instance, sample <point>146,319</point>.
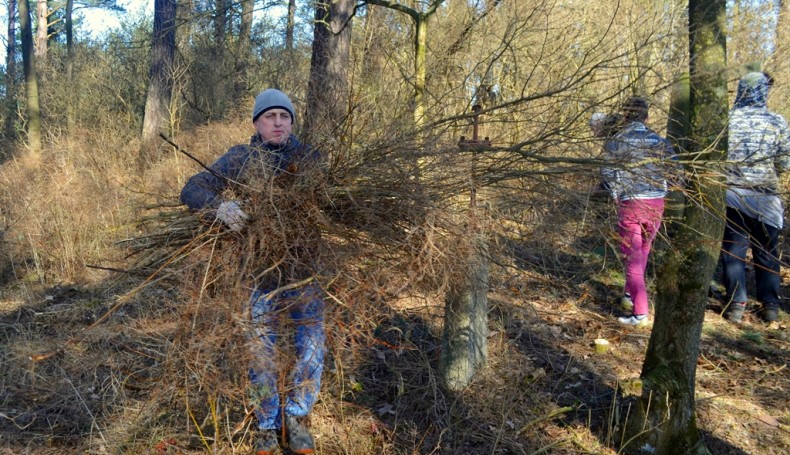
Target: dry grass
<point>164,368</point>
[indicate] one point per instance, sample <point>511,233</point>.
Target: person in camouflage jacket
<point>759,151</point>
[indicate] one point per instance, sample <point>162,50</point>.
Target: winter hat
<point>635,108</point>
<point>272,99</point>
<point>753,90</point>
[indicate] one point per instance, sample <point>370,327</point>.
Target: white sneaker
<point>634,320</point>
<point>626,303</point>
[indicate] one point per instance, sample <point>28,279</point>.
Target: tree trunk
<point>245,27</point>
<point>663,420</point>
<point>185,20</point>
<point>71,114</point>
<point>243,49</point>
<point>10,79</point>
<point>42,31</point>
<point>678,131</point>
<point>779,64</point>
<point>327,93</point>
<point>782,35</point>
<point>31,81</point>
<point>465,336</point>
<point>289,26</point>
<point>420,51</point>
<point>220,22</point>
<point>371,49</point>
<point>157,101</point>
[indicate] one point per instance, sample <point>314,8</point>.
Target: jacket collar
<point>257,142</point>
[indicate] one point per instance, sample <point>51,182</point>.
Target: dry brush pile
<point>157,358</point>
<point>166,344</point>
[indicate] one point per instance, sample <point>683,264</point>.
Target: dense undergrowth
<point>107,352</point>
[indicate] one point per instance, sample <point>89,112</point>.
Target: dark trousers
<point>742,232</point>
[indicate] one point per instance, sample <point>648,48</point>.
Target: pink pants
<point>638,223</point>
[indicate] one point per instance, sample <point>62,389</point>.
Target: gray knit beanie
<point>271,99</point>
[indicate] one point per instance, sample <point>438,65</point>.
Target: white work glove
<point>232,215</point>
<point>597,123</point>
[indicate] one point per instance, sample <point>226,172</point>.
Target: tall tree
<point>220,21</point>
<point>244,45</point>
<point>420,19</point>
<point>160,83</point>
<point>31,81</point>
<point>71,114</point>
<point>42,30</point>
<point>665,419</point>
<point>289,26</point>
<point>779,63</point>
<point>327,92</point>
<point>678,122</point>
<point>10,73</point>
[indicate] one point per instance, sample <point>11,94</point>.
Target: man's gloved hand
<point>232,215</point>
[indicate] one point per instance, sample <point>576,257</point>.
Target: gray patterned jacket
<point>640,163</point>
<point>759,140</point>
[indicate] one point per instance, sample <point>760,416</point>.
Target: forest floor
<point>545,389</point>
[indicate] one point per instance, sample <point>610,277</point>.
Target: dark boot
<point>299,439</point>
<point>735,311</point>
<point>267,443</point>
<point>770,312</point>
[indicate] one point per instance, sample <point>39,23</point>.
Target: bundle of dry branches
<point>386,224</point>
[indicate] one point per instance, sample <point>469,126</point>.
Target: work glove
<point>597,124</point>
<point>232,215</point>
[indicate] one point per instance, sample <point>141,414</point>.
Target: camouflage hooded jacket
<point>759,140</point>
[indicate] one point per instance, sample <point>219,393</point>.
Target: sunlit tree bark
<point>289,26</point>
<point>42,30</point>
<point>160,83</point>
<point>327,94</point>
<point>31,81</point>
<point>243,48</point>
<point>70,108</point>
<point>420,19</point>
<point>779,63</point>
<point>10,75</point>
<point>678,128</point>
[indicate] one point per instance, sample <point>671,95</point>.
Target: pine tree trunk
<point>243,49</point>
<point>289,26</point>
<point>10,80</point>
<point>420,51</point>
<point>663,419</point>
<point>31,82</point>
<point>327,93</point>
<point>42,31</point>
<point>779,64</point>
<point>157,101</point>
<point>71,114</point>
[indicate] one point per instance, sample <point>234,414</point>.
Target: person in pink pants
<point>636,177</point>
<point>638,224</point>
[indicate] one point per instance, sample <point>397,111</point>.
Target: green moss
<point>631,387</point>
<point>754,337</point>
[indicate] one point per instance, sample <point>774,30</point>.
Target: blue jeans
<point>305,307</point>
<point>742,232</point>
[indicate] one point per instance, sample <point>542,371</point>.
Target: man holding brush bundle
<point>268,180</point>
